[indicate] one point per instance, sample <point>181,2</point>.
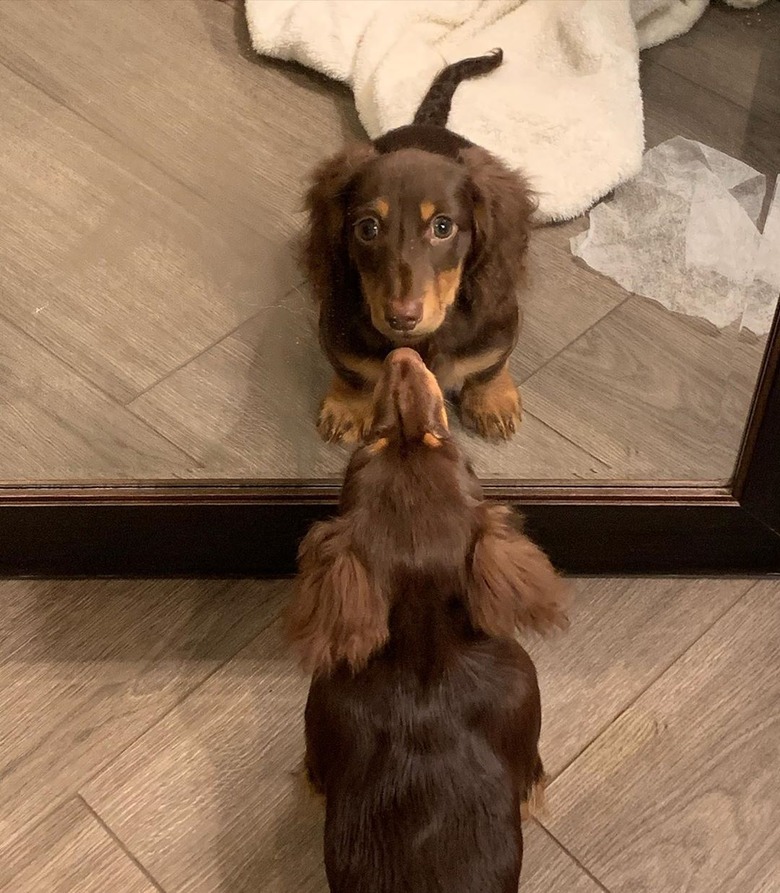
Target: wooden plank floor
<point>153,323</point>
<point>151,740</point>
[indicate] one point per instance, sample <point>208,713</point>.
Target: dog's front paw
<point>493,408</point>
<point>345,415</point>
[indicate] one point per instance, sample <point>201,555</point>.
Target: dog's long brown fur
<point>423,717</point>
<point>419,238</point>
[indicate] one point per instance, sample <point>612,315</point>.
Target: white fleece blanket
<point>565,107</point>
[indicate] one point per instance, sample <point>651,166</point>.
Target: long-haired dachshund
<point>423,716</point>
<point>419,238</point>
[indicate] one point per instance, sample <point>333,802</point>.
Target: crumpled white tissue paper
<point>684,233</point>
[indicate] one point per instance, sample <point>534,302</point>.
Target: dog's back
<point>424,800</point>
<point>428,130</point>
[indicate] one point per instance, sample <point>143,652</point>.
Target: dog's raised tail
<point>435,107</point>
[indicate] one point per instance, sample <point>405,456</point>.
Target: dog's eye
<point>443,227</point>
<point>367,229</point>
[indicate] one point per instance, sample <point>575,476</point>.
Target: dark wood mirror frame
<point>252,528</point>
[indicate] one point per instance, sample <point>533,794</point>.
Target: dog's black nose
<point>404,321</point>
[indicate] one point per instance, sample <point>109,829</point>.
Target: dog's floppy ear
<point>325,202</point>
<point>503,207</point>
<point>337,612</point>
<point>513,584</point>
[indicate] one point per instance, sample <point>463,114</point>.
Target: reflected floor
<point>153,323</point>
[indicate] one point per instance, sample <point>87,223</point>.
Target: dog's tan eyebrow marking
<point>426,211</point>
<point>382,207</point>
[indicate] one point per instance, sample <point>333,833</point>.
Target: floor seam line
<point>574,859</point>
<point>120,843</point>
<point>63,103</point>
<point>650,684</point>
<point>87,780</point>
<point>256,312</point>
<point>582,334</point>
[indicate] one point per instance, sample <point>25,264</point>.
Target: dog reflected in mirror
<point>419,239</point>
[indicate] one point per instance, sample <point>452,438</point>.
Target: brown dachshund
<point>419,238</point>
<point>423,716</point>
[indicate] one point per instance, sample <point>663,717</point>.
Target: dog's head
<point>412,515</point>
<point>410,221</point>
<point>411,224</point>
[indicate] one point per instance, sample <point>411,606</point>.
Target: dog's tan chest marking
<point>452,372</point>
<point>366,367</point>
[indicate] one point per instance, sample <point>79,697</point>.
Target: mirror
<point>154,323</point>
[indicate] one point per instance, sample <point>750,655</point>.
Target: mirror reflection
<point>591,269</point>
